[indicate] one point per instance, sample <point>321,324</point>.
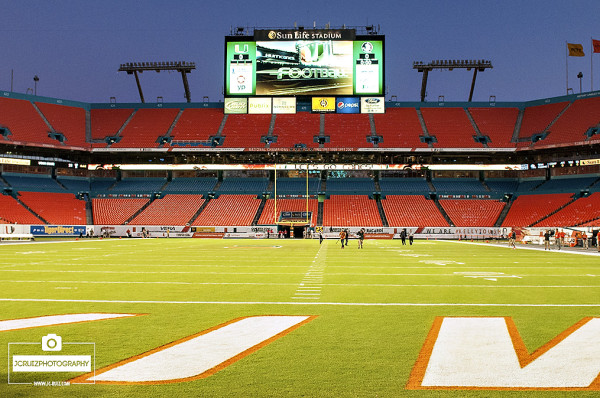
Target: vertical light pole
<point>35,80</point>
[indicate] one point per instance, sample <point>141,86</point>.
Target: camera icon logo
<point>51,342</point>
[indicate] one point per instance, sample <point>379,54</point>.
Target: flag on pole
<point>575,50</point>
<point>596,46</point>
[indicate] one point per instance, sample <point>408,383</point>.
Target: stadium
<point>194,248</point>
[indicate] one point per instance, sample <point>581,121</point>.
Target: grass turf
<point>374,306</point>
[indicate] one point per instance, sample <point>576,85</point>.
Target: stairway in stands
<point>259,211</point>
<point>139,211</point>
<point>198,212</point>
<point>441,209</point>
<point>30,210</point>
<point>555,211</point>
<point>384,220</point>
<point>504,212</point>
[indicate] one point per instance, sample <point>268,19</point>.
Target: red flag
<point>596,45</point>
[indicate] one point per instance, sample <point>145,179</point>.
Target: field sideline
<point>363,315</point>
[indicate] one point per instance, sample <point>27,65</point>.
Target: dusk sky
<point>76,46</point>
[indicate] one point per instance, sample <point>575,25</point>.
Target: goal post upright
<point>275,194</point>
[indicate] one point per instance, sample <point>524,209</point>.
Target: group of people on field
<point>345,235</point>
<point>559,239</point>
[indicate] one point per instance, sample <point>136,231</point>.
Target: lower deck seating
<point>351,211</point>
<point>581,211</point>
<point>229,210</point>
<point>473,212</point>
<point>109,211</point>
<point>268,214</point>
<point>170,210</point>
<point>12,212</point>
<point>527,209</point>
<point>412,211</point>
<point>56,208</point>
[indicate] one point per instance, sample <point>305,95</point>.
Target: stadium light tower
<point>37,79</point>
<point>132,68</point>
<point>477,66</point>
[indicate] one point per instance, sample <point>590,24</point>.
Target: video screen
<point>304,67</point>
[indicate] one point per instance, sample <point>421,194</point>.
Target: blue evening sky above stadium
<point>76,46</point>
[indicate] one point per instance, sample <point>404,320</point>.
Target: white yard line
<point>302,289</point>
<point>297,303</point>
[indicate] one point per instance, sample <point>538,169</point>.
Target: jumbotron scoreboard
<point>276,65</point>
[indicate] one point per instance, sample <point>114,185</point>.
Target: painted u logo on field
<point>200,355</point>
<point>488,353</point>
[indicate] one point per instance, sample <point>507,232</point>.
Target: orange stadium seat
<point>244,131</point>
<point>197,124</point>
<point>115,211</point>
<point>571,126</point>
<point>56,208</point>
<point>451,127</point>
<point>537,118</point>
<point>473,212</point>
<point>351,211</point>
<point>496,123</point>
<point>412,211</point>
<point>107,122</point>
<point>68,120</point>
<point>145,127</point>
<point>582,211</point>
<point>12,212</point>
<point>347,130</point>
<point>229,210</point>
<point>300,128</point>
<point>170,210</point>
<point>400,128</point>
<point>24,122</point>
<point>527,209</point>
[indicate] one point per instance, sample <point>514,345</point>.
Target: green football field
<point>371,310</point>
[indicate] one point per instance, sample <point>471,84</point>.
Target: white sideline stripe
<point>296,303</point>
<point>14,324</point>
<point>280,273</point>
<point>200,354</point>
<point>524,247</point>
<point>309,287</point>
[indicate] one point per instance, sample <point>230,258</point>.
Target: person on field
<point>342,237</point>
<point>513,239</point>
<point>361,237</point>
<point>320,237</point>
<point>557,239</point>
<point>547,240</point>
<point>411,238</point>
<point>598,241</point>
<point>347,236</point>
<point>584,238</point>
<point>403,236</point>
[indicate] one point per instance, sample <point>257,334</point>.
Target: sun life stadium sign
<point>297,34</point>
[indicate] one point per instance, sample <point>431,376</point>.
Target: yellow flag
<point>575,50</point>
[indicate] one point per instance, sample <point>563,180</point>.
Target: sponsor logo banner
<point>372,105</point>
<point>57,230</point>
<point>284,105</point>
<point>347,105</point>
<point>235,106</point>
<point>259,105</point>
<point>323,104</point>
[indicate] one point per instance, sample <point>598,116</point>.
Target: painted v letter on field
<point>488,353</point>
